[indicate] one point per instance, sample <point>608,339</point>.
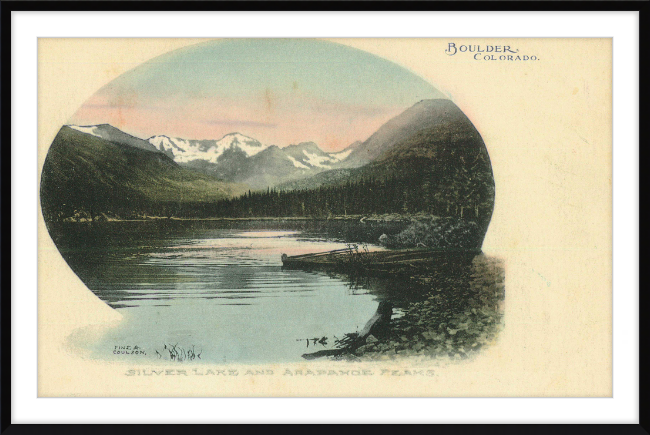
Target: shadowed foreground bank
<point>442,309</point>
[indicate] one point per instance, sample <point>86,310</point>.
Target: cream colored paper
<point>547,126</point>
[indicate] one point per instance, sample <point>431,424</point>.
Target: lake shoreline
<point>352,218</point>
<point>454,320</point>
<point>394,230</point>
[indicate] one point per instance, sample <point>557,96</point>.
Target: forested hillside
<point>429,160</point>
<point>88,177</point>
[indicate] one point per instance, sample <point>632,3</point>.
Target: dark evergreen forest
<point>363,197</point>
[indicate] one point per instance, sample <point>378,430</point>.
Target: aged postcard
<point>312,217</point>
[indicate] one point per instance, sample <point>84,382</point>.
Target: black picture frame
<point>6,9</point>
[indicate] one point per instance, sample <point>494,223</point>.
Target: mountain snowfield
<point>186,151</point>
<point>235,157</point>
<point>325,161</point>
<point>115,135</point>
<point>240,159</point>
<point>88,129</point>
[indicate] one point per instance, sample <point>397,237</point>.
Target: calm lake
<point>216,292</point>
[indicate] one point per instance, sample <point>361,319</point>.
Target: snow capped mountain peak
<point>160,140</point>
<point>247,144</point>
<point>88,129</point>
<point>308,155</point>
<point>115,135</point>
<point>342,155</point>
<point>234,158</point>
<point>238,135</point>
<point>185,151</point>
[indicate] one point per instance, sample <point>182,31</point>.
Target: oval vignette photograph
<point>266,201</point>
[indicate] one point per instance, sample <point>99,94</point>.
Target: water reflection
<point>206,286</point>
<point>218,291</point>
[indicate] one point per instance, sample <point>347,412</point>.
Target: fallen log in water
<point>377,262</point>
<point>323,353</point>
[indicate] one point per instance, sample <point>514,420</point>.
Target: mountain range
<point>432,136</point>
<point>431,155</point>
<point>104,170</point>
<point>237,158</point>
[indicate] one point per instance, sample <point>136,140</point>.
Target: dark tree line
<point>463,190</point>
<point>366,196</point>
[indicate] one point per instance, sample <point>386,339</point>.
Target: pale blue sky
<point>279,91</point>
